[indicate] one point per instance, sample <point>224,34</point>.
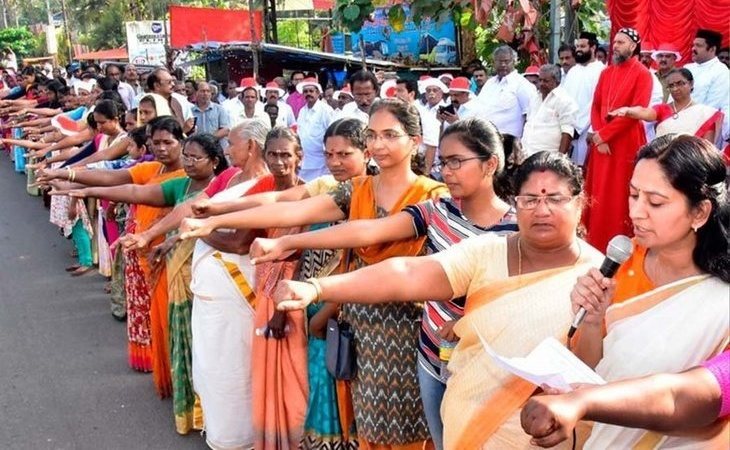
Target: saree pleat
<point>138,313</point>
<point>279,381</point>
<point>180,339</point>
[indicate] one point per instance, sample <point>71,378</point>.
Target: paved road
<point>64,380</point>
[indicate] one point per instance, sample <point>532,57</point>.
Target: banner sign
<point>432,43</point>
<point>146,42</point>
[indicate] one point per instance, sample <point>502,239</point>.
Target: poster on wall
<point>432,43</point>
<point>146,42</point>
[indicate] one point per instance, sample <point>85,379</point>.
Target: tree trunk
<point>467,47</point>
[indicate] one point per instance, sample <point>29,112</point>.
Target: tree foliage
<point>20,40</point>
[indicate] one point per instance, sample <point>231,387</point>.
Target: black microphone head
<point>619,249</point>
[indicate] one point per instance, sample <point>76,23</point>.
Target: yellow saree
<point>481,405</point>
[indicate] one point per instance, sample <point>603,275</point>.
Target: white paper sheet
<point>550,363</point>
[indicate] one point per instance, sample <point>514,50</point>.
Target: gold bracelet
<point>71,175</point>
<point>317,287</point>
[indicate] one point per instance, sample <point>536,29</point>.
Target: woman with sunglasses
<point>682,115</point>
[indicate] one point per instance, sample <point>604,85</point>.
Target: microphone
<point>618,251</point>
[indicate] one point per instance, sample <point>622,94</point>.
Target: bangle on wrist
<point>317,287</point>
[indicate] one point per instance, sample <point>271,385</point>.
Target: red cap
<point>460,84</point>
<point>532,70</point>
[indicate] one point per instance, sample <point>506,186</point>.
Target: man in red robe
<point>615,141</point>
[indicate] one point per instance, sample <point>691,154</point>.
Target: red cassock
<point>608,176</point>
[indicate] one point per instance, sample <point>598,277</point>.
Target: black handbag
<point>341,363</point>
<point>340,339</point>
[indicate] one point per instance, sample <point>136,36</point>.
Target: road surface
<point>64,379</point>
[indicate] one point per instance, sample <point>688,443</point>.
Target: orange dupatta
<point>363,206</point>
<point>514,315</point>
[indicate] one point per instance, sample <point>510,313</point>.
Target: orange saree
<point>279,379</point>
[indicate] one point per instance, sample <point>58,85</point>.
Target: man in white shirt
<point>364,87</point>
<point>343,97</point>
<point>463,101</point>
<point>566,57</point>
<point>74,71</point>
<point>285,115</point>
<point>551,117</point>
<point>666,56</point>
<point>125,90</point>
<point>313,120</point>
<point>434,91</point>
<point>506,97</point>
<point>131,77</point>
<point>711,77</point>
<point>407,90</point>
<point>580,84</point>
<point>236,106</point>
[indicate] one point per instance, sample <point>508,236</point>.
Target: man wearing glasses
<point>313,120</point>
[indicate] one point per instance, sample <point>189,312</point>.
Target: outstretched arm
<point>353,234</point>
<point>393,280</point>
<point>126,193</point>
<point>168,223</point>
<point>207,208</point>
<point>88,177</point>
<point>635,112</point>
<point>70,141</point>
<point>664,402</point>
<point>115,151</point>
<point>319,209</point>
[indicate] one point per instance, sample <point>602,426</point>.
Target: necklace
<point>675,116</point>
<point>519,255</point>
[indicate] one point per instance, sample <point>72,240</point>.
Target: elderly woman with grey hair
<point>222,281</point>
<point>551,116</point>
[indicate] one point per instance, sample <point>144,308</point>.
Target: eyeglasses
<point>309,91</point>
<point>552,201</point>
<point>454,163</point>
<point>676,85</point>
<point>194,159</point>
<point>387,136</point>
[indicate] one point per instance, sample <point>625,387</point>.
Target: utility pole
<point>254,42</point>
<point>554,30</point>
<point>67,31</point>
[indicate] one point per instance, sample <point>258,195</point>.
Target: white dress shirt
<point>580,84</point>
<point>237,112</point>
<point>312,123</point>
<point>286,115</point>
<point>547,120</point>
<point>712,88</point>
<point>351,111</point>
<point>126,91</point>
<point>505,102</point>
<point>187,107</point>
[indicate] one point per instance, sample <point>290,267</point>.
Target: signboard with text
<point>146,42</point>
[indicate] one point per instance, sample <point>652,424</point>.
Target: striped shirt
<point>444,225</point>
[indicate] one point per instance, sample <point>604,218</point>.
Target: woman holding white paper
<point>667,309</point>
<point>505,280</point>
